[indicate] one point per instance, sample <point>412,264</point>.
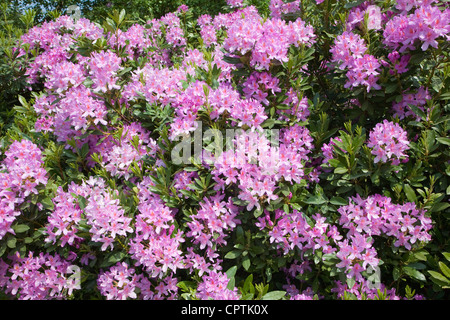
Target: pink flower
<point>388,139</point>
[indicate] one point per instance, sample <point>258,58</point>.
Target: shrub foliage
<point>119,178</point>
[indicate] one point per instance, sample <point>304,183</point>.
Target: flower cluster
<point>119,153</point>
<point>259,164</point>
<point>156,245</point>
<point>300,107</point>
<point>90,204</point>
<point>212,220</point>
<point>378,216</point>
<point>214,287</point>
<point>357,15</point>
<point>21,173</point>
<point>207,30</point>
<point>328,149</point>
<point>388,140</point>
<point>121,282</point>
<point>419,99</point>
<point>399,62</point>
<point>279,7</point>
<point>293,230</point>
<point>71,115</point>
<point>41,277</point>
<point>173,32</point>
<point>266,42</point>
<point>421,28</point>
<point>348,53</point>
<point>103,67</point>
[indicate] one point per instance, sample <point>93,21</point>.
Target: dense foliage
<point>266,150</point>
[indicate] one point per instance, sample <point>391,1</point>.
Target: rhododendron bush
<point>297,153</point>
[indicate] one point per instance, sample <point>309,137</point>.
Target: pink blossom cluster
<point>64,75</point>
<point>136,39</point>
<point>348,52</point>
<point>235,3</point>
<point>295,294</point>
<point>388,140</point>
<point>212,221</point>
<point>266,42</point>
<point>357,15</point>
<point>20,174</point>
<point>422,28</point>
<point>293,230</point>
<point>55,39</point>
<point>399,62</point>
<point>64,221</point>
<point>259,85</point>
<point>155,244</point>
<point>223,100</point>
<point>182,180</point>
<point>364,218</point>
<point>328,149</point>
<point>407,5</point>
<point>357,254</point>
<point>101,213</point>
<point>174,34</point>
<point>279,7</point>
<point>300,107</point>
<point>209,228</point>
<point>378,216</point>
<point>40,277</point>
<point>118,155</point>
<point>71,114</point>
<point>214,287</point>
<point>259,165</point>
<point>121,282</point>
<point>158,85</point>
<point>207,30</point>
<point>419,99</point>
<point>103,68</point>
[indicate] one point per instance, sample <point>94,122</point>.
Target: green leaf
<point>338,201</point>
<point>113,258</point>
<point>19,228</point>
<point>2,248</point>
<point>440,206</point>
<point>246,262</point>
<point>421,255</point>
<point>446,255</point>
<point>48,204</point>
<point>247,284</point>
<point>231,272</point>
<point>315,200</point>
<point>410,194</point>
<point>82,202</point>
<point>233,254</point>
<point>445,270</point>
<point>341,170</point>
<point>438,278</point>
<point>11,242</point>
<point>444,140</point>
<point>396,273</point>
<point>274,295</point>
<point>414,273</point>
<point>23,101</point>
